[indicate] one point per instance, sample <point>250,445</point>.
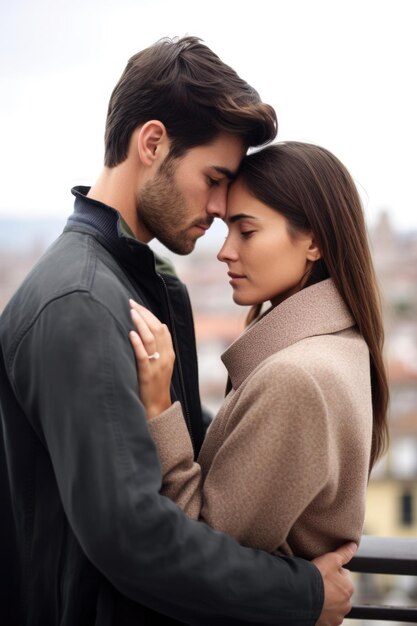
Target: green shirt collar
<point>162,264</point>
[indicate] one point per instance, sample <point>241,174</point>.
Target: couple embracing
<point>119,508</point>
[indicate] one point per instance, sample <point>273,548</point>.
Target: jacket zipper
<point>178,359</point>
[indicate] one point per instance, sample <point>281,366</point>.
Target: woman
<point>285,464</point>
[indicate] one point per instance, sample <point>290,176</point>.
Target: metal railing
<point>385,555</point>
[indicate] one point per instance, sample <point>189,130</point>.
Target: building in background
<point>392,494</point>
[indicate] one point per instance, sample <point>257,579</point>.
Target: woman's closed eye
<point>246,234</point>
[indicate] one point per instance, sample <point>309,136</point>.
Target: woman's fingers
<point>147,325</point>
<point>138,347</point>
<point>144,332</point>
<point>151,319</point>
<point>154,374</point>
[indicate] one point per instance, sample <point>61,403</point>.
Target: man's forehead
<point>224,150</point>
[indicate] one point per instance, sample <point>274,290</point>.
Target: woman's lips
<point>235,278</point>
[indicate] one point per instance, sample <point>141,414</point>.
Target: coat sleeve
<point>74,373</point>
<point>272,462</point>
<point>182,478</point>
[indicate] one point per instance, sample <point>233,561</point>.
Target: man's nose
<point>217,203</point>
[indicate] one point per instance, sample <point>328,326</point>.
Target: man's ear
<point>313,251</point>
<point>152,142</point>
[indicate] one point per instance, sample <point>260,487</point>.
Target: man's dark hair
<point>183,84</point>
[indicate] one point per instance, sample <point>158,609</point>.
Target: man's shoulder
<point>66,266</point>
<point>74,264</point>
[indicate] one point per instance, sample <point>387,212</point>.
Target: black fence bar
<point>384,613</point>
<point>385,555</point>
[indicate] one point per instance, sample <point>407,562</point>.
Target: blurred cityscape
<point>392,493</point>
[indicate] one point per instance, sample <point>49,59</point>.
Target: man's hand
<point>338,587</point>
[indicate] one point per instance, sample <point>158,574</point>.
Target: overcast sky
<point>339,73</point>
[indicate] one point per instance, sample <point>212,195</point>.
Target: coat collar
<point>316,310</point>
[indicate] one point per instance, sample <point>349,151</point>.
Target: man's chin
<point>187,249</point>
<point>183,248</point>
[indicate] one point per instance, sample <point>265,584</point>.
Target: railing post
<point>385,555</point>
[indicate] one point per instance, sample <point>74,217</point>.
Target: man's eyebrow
<point>225,171</point>
<point>240,216</point>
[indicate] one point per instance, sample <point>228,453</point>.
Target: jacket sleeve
<point>272,462</point>
<point>74,373</point>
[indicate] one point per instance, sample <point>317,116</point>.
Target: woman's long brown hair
<point>314,191</point>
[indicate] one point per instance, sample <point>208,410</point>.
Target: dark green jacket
<point>86,538</point>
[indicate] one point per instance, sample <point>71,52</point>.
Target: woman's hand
<point>155,358</point>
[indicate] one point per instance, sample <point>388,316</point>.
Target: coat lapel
<point>316,310</point>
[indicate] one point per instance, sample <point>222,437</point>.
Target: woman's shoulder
<point>310,363</point>
<point>282,380</point>
<point>321,350</point>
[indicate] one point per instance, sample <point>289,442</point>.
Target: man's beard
<point>162,210</point>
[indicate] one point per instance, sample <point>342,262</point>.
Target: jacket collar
<point>107,226</point>
<point>316,310</point>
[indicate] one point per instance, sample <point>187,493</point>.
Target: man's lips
<point>203,227</point>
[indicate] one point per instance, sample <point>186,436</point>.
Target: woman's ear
<point>313,251</point>
<point>152,142</point>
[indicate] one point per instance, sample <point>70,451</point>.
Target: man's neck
<point>114,187</point>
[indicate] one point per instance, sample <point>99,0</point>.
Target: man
<point>91,540</point>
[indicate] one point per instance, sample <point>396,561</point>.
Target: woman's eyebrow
<point>241,216</point>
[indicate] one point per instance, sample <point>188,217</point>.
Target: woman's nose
<point>226,252</point>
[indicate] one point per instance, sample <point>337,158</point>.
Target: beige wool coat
<point>284,465</point>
